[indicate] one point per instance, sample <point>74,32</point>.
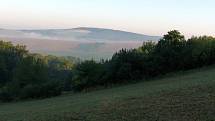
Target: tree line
<point>170,54</point>
<point>24,75</point>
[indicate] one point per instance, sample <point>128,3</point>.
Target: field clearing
<point>183,96</point>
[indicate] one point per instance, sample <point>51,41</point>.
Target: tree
<point>125,65</point>
<point>169,51</point>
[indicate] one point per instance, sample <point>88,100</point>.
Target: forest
<point>24,75</point>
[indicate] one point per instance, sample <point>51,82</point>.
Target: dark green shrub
<point>6,95</point>
<point>45,90</point>
<point>87,74</point>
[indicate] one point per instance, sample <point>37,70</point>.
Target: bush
<point>5,95</point>
<point>87,74</point>
<point>45,90</point>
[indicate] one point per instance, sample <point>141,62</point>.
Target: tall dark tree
<point>169,51</point>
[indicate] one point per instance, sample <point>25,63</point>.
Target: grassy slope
<point>183,96</point>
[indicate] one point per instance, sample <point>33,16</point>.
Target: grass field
<point>184,96</point>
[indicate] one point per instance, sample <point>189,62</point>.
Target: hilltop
<point>79,34</point>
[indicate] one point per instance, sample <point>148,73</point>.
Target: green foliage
<point>172,53</point>
<point>44,90</point>
<point>202,51</point>
<point>169,51</point>
<point>87,74</point>
<point>126,64</point>
<point>21,72</point>
<point>30,70</point>
<point>24,75</point>
<point>9,57</point>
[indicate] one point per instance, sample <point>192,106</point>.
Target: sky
<point>152,17</point>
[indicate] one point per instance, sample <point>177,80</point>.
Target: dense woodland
<point>25,76</point>
<point>172,53</point>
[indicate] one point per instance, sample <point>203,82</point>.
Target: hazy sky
<point>154,17</point>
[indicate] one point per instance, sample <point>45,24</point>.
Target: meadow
<point>181,96</point>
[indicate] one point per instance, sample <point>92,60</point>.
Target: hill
<point>91,34</point>
<point>183,96</point>
<point>79,34</point>
<point>83,42</point>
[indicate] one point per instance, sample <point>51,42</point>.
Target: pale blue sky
<point>154,17</point>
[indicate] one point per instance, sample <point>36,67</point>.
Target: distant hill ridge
<point>78,34</point>
<point>82,42</point>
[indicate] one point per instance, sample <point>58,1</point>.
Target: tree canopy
<point>24,75</point>
<point>172,53</point>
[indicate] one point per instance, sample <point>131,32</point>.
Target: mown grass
<point>184,96</point>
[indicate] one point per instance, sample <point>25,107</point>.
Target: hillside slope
<point>185,96</point>
<point>83,42</point>
<point>79,34</point>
